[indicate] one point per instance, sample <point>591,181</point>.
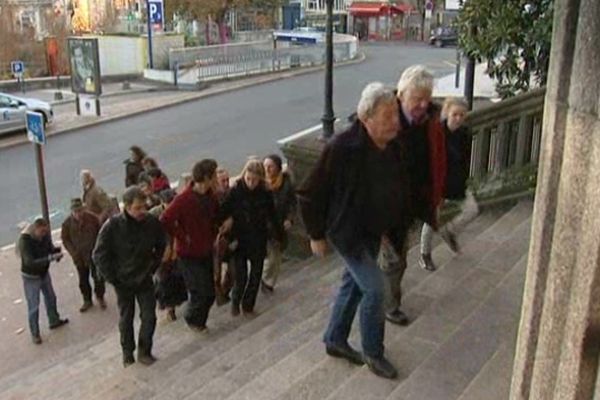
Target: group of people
<point>397,163</point>
<point>207,241</point>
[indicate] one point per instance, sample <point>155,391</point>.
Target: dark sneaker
<point>450,239</point>
<point>102,303</point>
<point>146,359</point>
<point>128,360</point>
<point>60,323</point>
<point>381,367</point>
<point>344,351</point>
<point>86,306</point>
<point>397,317</point>
<point>36,339</point>
<point>426,263</point>
<point>198,328</point>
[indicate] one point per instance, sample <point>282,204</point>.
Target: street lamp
<point>328,116</point>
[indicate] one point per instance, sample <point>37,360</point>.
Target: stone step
<point>459,359</point>
<point>297,376</point>
<point>89,365</point>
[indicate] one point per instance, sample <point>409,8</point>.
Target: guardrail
<point>235,60</point>
<point>506,144</point>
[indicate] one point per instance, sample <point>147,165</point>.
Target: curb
<point>242,85</point>
<point>112,94</point>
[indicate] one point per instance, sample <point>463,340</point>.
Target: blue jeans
<point>362,284</point>
<point>33,286</point>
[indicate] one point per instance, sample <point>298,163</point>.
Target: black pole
<point>457,77</point>
<point>150,61</point>
<point>470,81</point>
<point>328,116</point>
<point>39,158</point>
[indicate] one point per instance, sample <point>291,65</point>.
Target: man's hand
<point>319,247</point>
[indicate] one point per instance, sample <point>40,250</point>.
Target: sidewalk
<point>485,87</point>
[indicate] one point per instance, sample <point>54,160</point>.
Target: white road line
<point>452,64</point>
<point>299,134</point>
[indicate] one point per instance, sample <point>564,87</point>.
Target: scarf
<point>275,183</point>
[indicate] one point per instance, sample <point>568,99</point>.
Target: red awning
<point>370,8</point>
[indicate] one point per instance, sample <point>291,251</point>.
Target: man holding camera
<point>37,252</point>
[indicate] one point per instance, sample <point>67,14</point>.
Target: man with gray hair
<point>128,251</point>
<point>425,144</point>
<point>357,198</point>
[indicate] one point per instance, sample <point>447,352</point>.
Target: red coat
<point>159,184</point>
<point>433,194</point>
<point>192,219</point>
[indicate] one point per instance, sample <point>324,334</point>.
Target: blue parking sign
<point>17,67</point>
<point>156,11</point>
<point>35,127</point>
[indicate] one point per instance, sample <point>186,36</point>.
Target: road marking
<point>302,133</point>
<point>450,63</point>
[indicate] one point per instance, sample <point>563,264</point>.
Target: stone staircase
<point>459,345</point>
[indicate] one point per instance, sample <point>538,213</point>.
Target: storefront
<point>378,21</point>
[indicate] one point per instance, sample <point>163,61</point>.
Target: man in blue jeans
<point>357,197</point>
<point>37,252</point>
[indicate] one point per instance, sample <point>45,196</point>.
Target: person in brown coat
<point>79,232</point>
<point>95,199</point>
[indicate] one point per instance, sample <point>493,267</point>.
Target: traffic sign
<point>156,11</point>
<point>35,127</point>
<point>17,68</point>
<point>429,5</point>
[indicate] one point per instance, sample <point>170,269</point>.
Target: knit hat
<point>76,204</point>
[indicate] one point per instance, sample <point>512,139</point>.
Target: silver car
<point>13,111</point>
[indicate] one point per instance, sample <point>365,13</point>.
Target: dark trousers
<point>245,287</point>
<point>199,280</point>
<point>84,270</point>
<point>393,275</point>
<point>126,298</point>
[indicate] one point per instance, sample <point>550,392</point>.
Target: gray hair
<point>132,194</point>
<point>415,77</point>
<point>373,95</point>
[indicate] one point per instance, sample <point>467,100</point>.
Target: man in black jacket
<point>127,253</point>
<point>358,197</point>
<point>37,251</point>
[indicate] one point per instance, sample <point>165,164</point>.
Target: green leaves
<point>513,36</point>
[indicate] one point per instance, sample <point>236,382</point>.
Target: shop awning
<point>371,8</point>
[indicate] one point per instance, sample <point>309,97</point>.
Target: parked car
<point>13,111</point>
<point>443,36</point>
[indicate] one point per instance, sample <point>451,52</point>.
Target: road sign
<point>156,11</point>
<point>429,5</point>
<point>35,127</point>
<point>17,68</point>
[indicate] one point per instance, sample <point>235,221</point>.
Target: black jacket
<point>254,217</point>
<point>132,172</point>
<point>128,251</point>
<point>458,148</point>
<point>333,197</point>
<point>34,254</point>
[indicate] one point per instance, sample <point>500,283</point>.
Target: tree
<point>512,36</point>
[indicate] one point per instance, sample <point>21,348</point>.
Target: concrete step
<point>468,346</point>
<point>90,365</point>
<point>310,374</point>
<point>469,304</point>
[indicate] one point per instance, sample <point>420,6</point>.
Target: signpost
<point>36,135</point>
<point>18,68</point>
<point>155,10</point>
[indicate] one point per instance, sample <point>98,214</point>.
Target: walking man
<point>37,252</point>
<point>357,198</point>
<point>192,220</point>
<point>78,234</point>
<point>129,249</point>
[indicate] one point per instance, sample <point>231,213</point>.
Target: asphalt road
<point>227,127</point>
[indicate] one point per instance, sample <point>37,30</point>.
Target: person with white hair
<point>357,197</point>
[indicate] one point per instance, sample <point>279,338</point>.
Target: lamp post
<point>328,116</point>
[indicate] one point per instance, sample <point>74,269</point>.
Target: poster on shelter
<point>85,66</point>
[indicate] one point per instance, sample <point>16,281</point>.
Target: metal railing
<point>227,61</point>
<point>506,144</point>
